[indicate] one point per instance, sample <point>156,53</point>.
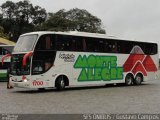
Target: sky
<point>126,19</point>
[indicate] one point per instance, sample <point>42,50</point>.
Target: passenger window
<point>64,42</point>
<point>101,45</point>
<point>90,44</point>
<point>46,42</point>
<point>77,43</point>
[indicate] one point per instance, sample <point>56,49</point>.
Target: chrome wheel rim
<point>62,83</point>
<point>129,80</point>
<point>138,79</point>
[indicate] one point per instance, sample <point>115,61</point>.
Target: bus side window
<point>84,45</point>
<point>48,61</point>
<point>73,45</point>
<point>59,44</point>
<point>41,44</point>
<point>110,48</point>
<point>48,42</point>
<point>78,43</point>
<point>37,66</point>
<point>150,49</point>
<point>97,45</point>
<point>90,44</point>
<point>45,43</point>
<point>115,47</point>
<point>106,46</point>
<point>64,42</point>
<point>155,49</point>
<point>128,47</point>
<point>47,65</point>
<point>101,46</point>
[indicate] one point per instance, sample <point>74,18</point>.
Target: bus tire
<point>129,79</point>
<point>60,83</point>
<point>138,79</point>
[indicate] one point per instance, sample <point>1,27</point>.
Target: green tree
<point>2,34</point>
<point>21,17</point>
<point>38,15</point>
<point>74,19</point>
<point>7,18</point>
<point>8,9</point>
<point>24,11</point>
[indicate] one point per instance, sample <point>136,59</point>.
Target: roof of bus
<point>84,34</point>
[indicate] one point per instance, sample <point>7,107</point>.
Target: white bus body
<point>93,62</point>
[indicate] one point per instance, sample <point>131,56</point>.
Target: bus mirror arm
<point>4,57</point>
<point>25,58</point>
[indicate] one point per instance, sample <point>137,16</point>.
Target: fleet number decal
<point>37,83</point>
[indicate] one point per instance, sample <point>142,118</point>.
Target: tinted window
<point>70,43</point>
<point>46,42</point>
<point>151,48</point>
<point>89,44</point>
<point>64,43</point>
<point>77,43</point>
<point>44,55</point>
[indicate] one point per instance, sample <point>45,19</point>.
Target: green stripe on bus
<point>3,75</point>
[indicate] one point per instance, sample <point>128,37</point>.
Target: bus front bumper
<point>20,84</point>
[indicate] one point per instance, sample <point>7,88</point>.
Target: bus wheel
<point>129,79</point>
<point>60,83</point>
<point>138,79</point>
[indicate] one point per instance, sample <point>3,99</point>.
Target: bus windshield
<point>16,65</point>
<point>25,43</point>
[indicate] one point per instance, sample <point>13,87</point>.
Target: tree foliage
<point>2,34</point>
<point>74,19</point>
<point>21,17</point>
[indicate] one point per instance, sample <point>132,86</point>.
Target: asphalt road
<point>99,99</point>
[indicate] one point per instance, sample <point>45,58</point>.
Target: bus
<point>61,59</point>
<point>4,50</point>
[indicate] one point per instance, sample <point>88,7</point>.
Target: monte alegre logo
<point>139,62</point>
<point>96,68</point>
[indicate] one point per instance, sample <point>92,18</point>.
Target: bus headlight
<point>25,80</point>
